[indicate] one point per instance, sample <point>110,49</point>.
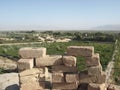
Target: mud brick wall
<point>38,71</point>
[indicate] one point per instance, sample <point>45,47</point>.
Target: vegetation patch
<point>117,65</point>
<point>104,49</point>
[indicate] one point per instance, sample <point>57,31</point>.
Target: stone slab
<point>92,86</point>
<point>49,60</point>
<point>65,86</point>
<point>101,78</point>
<point>62,68</point>
<point>29,79</point>
<point>95,70</point>
<point>30,52</point>
<point>9,81</point>
<point>69,61</point>
<point>80,50</point>
<point>33,86</point>
<point>93,61</point>
<point>112,87</point>
<point>58,78</point>
<point>32,71</point>
<point>70,78</point>
<point>85,78</point>
<point>24,64</point>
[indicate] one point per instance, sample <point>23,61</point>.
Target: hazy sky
<point>58,14</point>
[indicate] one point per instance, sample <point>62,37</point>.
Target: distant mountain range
<point>107,27</point>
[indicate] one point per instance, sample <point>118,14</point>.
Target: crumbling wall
<point>38,71</point>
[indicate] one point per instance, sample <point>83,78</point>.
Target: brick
<point>92,86</point>
<point>93,61</point>
<point>62,68</point>
<point>32,71</point>
<point>58,78</point>
<point>70,78</point>
<point>33,86</point>
<point>49,61</point>
<point>69,61</point>
<point>65,86</point>
<point>80,50</point>
<point>95,70</point>
<point>29,52</point>
<point>24,64</point>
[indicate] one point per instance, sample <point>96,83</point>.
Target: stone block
<point>9,81</point>
<point>85,78</point>
<point>41,77</point>
<point>112,87</point>
<point>29,79</point>
<point>92,86</point>
<point>95,70</point>
<point>29,52</point>
<point>65,86</point>
<point>101,78</point>
<point>32,71</point>
<point>58,78</point>
<point>80,51</point>
<point>33,86</point>
<point>69,61</point>
<point>46,72</point>
<point>24,64</point>
<point>62,68</point>
<point>70,78</point>
<point>93,60</point>
<point>49,60</point>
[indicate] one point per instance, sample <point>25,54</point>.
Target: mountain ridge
<point>107,27</point>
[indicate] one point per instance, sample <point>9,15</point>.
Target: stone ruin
<point>38,71</point>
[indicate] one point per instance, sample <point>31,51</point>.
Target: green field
<point>104,49</point>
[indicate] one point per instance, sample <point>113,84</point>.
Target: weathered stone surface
<point>80,50</point>
<point>24,64</point>
<point>93,61</point>
<point>66,86</point>
<point>101,78</point>
<point>9,81</point>
<point>49,60</point>
<point>111,87</point>
<point>92,86</point>
<point>62,68</point>
<point>58,78</point>
<point>41,77</point>
<point>70,78</point>
<point>29,79</point>
<point>69,61</point>
<point>85,78</point>
<point>29,52</point>
<point>32,71</point>
<point>95,70</point>
<point>33,86</point>
<point>46,72</point>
